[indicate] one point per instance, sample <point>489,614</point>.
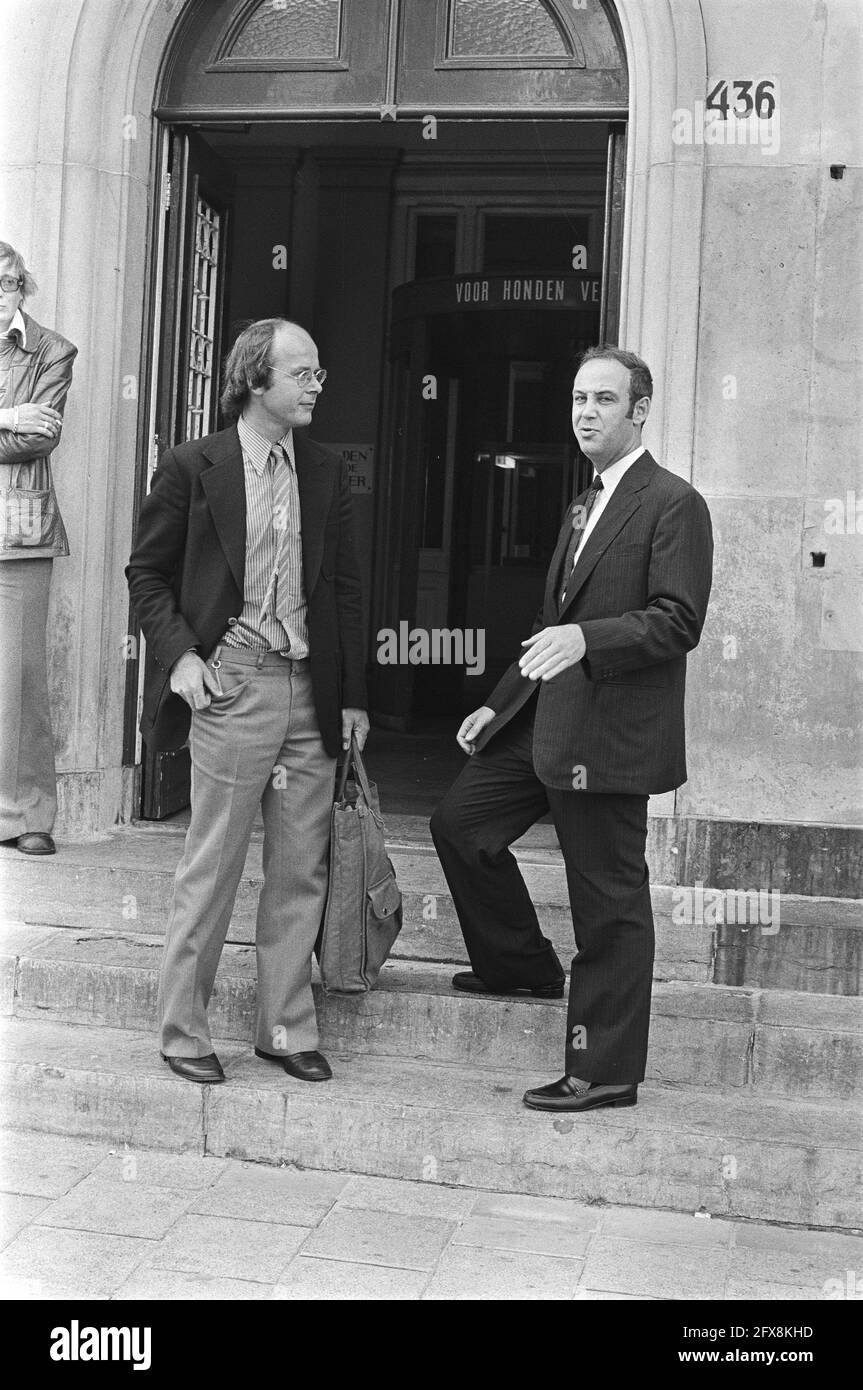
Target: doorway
<point>373,223</point>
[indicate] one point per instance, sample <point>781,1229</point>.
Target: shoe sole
<point>526,993</point>
<point>271,1057</point>
<point>197,1080</point>
<point>620,1104</point>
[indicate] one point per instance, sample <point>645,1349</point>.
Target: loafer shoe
<point>470,983</point>
<point>36,842</point>
<point>305,1066</point>
<point>569,1093</point>
<point>206,1070</point>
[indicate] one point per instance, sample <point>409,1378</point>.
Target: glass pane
<point>290,29</point>
<point>529,244</point>
<point>504,29</point>
<point>199,394</point>
<point>435,251</point>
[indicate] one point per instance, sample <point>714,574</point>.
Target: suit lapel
<point>315,485</point>
<point>555,569</point>
<point>224,486</point>
<point>624,501</point>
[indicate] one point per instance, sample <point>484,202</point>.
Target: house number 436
<point>743,98</point>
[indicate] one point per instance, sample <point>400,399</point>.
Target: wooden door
<point>184,386</point>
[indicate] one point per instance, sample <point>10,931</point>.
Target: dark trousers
<point>493,801</point>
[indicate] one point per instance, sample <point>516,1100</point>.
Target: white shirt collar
<point>257,449</point>
<point>612,475</point>
<point>16,326</point>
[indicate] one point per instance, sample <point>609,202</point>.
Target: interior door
<point>184,389</point>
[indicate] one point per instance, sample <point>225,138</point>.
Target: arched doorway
<point>316,160</point>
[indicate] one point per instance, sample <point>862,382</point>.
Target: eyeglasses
<point>305,376</point>
<point>8,283</point>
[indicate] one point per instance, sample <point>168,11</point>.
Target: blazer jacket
<point>187,570</point>
<point>614,722</point>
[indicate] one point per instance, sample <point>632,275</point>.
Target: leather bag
<point>363,915</point>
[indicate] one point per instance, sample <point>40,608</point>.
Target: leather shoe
<point>470,983</point>
<point>569,1093</point>
<point>203,1069</point>
<point>36,842</point>
<point>305,1066</point>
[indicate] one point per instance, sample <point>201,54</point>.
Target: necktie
<point>277,599</point>
<point>578,525</point>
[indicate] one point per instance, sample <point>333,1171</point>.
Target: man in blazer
<point>586,725</point>
<point>245,581</point>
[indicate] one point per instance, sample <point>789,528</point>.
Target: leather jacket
<point>35,369</point>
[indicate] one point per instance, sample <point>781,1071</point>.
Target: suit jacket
<point>614,722</point>
<point>187,569</point>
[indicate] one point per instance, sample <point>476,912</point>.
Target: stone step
<point>124,881</point>
<point>726,1154</point>
<point>701,1035</point>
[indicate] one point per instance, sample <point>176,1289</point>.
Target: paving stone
<point>71,1264</point>
<point>655,1271</point>
<point>16,1212</point>
<point>160,1285</point>
<point>157,1169</point>
<point>289,1196</point>
<point>118,1208</point>
<point>597,1295</point>
<point>540,1237</point>
<point>741,1286</point>
<point>839,1245</point>
<point>307,1278</point>
<point>218,1246</point>
<point>666,1227</point>
<point>372,1237</point>
<point>44,1165</point>
<point>811,1270</point>
<point>467,1273</point>
<point>523,1207</point>
<point>408,1198</point>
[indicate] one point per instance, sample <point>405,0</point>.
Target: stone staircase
<point>752,1106</point>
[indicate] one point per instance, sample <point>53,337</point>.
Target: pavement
<point>87,1220</point>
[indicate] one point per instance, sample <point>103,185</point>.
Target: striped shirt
<point>254,630</point>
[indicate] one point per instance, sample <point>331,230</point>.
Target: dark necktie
<point>578,524</point>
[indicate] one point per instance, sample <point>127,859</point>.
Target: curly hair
<point>640,380</point>
<point>28,284</point>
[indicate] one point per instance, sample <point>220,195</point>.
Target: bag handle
<point>355,759</point>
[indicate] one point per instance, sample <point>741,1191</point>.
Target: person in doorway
<point>245,580</point>
<point>35,376</point>
<point>586,724</point>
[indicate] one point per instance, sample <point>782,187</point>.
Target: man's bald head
<point>249,363</point>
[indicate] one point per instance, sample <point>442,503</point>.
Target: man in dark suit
<point>585,725</point>
<point>245,581</point>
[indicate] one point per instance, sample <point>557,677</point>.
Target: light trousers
<point>28,788</point>
<point>257,744</point>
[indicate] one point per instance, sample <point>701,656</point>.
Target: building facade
<point>454,196</point>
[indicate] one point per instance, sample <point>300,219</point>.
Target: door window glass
<point>205,270</point>
<point>542,245</point>
<point>435,245</point>
<point>290,29</point>
<point>503,28</point>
